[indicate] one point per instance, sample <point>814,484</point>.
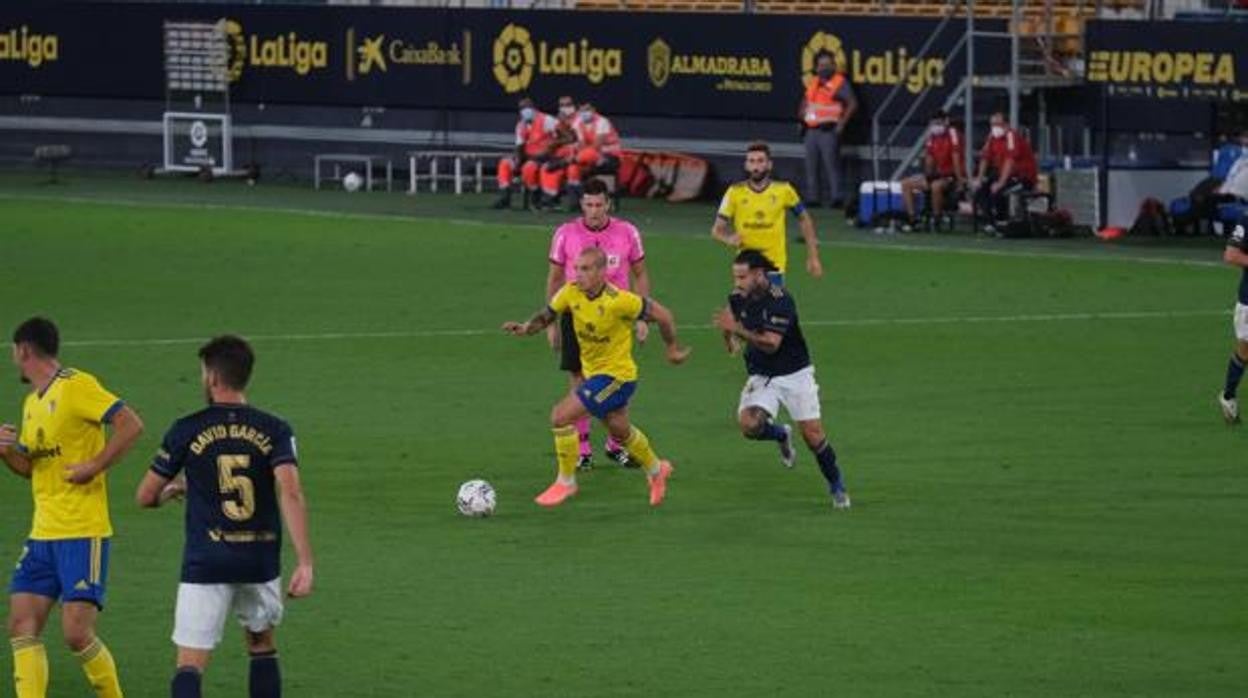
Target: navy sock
<point>827,465</point>
<point>1234,373</point>
<point>769,432</point>
<point>186,683</point>
<point>265,680</point>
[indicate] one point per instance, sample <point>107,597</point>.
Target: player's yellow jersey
<point>758,217</point>
<point>604,328</point>
<point>64,426</point>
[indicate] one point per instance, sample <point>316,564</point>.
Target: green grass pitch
<point>1046,502</point>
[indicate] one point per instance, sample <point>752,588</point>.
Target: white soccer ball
<point>352,182</point>
<point>475,498</point>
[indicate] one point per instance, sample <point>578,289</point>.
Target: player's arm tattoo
<point>763,340</point>
<point>540,320</point>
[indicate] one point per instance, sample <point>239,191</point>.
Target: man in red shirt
<point>535,141</point>
<point>942,169</point>
<point>1007,165</point>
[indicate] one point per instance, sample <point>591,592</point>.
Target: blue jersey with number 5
<point>233,525</point>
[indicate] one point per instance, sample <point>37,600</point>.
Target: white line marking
<point>859,322</point>
<point>1090,256</point>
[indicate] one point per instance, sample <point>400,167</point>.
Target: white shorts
<point>798,392</point>
<point>202,610</point>
<point>1241,322</point>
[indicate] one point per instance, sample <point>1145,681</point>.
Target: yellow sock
<point>638,447</point>
<point>101,671</point>
<point>567,451</point>
<point>30,667</point>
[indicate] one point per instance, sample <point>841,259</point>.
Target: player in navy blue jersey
<point>763,317</point>
<point>1237,254</point>
<point>235,465</point>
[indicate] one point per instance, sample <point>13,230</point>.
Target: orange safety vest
<point>534,135</point>
<point>588,135</point>
<point>822,105</point>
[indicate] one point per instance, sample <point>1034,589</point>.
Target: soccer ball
<point>475,499</point>
<point>352,182</point>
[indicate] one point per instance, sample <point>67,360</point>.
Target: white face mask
<point>938,129</point>
<point>998,131</point>
<point>567,110</point>
<point>587,116</point>
<point>528,113</point>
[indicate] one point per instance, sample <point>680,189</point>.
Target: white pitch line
<point>859,322</point>
<point>415,216</point>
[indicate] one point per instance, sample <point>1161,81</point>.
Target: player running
<point>603,317</point>
<point>63,450</point>
<point>755,209</point>
<point>764,317</point>
<point>1237,255</point>
<point>621,241</point>
<point>235,464</point>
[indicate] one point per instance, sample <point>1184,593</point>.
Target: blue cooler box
<point>878,198</point>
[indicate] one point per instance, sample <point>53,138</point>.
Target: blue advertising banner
<point>659,64</point>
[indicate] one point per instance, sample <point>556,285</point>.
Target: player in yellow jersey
<point>755,208</point>
<point>603,318</point>
<point>63,450</point>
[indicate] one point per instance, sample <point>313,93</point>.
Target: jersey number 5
<point>234,482</point>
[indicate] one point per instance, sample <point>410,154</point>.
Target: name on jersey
<point>234,432</point>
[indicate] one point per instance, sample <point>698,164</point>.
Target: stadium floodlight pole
<point>1016,21</point>
<point>968,109</point>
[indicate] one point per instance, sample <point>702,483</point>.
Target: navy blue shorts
<point>603,394</point>
<point>74,569</point>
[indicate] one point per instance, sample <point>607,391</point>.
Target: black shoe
<point>503,201</point>
<point>621,457</point>
<point>585,463</point>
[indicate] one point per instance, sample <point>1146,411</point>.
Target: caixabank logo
<point>287,51</point>
<point>519,59</point>
<point>890,67</point>
<point>28,46</point>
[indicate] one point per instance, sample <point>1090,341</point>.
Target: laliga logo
<point>34,49</point>
<point>823,43</point>
<point>888,68</point>
<point>282,51</point>
<point>516,59</point>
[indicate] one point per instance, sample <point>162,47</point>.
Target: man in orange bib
<point>827,106</point>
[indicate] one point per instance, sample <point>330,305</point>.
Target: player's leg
<point>760,402</point>
<point>638,446</point>
<point>550,180</point>
<point>1228,399</point>
<point>563,417</point>
<point>575,177</point>
<point>82,565</point>
<point>32,593</point>
<point>938,188</point>
<point>829,152</point>
<point>28,613</point>
<point>259,608</point>
<point>199,618</point>
<point>800,394</point>
<point>570,361</point>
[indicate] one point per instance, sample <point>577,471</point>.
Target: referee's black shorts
<point>569,348</point>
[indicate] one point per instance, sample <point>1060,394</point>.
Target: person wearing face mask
<point>827,106</point>
<point>535,140</point>
<point>1007,165</point>
<point>561,164</point>
<point>597,150</point>
<point>942,169</point>
<point>755,211</point>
